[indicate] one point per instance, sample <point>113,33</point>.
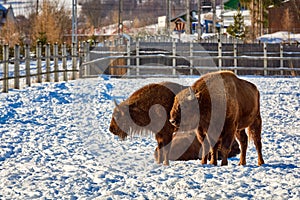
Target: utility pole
<point>37,7</point>
<point>120,23</point>
<point>168,16</point>
<point>214,16</point>
<point>199,21</point>
<point>188,19</point>
<point>74,21</point>
<point>222,17</point>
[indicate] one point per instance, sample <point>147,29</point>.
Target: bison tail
<point>254,131</point>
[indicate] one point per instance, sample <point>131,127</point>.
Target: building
<point>223,20</point>
<point>285,17</point>
<point>20,7</point>
<point>6,14</point>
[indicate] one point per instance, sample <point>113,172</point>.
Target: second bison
<point>219,106</point>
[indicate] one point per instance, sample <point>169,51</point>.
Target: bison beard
<point>226,105</point>
<point>148,109</point>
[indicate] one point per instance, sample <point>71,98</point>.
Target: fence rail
<point>144,59</point>
<point>131,60</point>
<point>47,67</point>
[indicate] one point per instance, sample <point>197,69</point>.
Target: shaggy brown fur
<point>187,147</point>
<point>140,112</point>
<point>220,106</point>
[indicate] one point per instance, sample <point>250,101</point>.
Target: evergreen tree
<point>237,29</point>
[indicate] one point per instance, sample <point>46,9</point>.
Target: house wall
<point>285,17</point>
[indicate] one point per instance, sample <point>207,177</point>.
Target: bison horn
<point>116,104</point>
<point>191,95</point>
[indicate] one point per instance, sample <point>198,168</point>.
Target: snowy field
<point>55,144</point>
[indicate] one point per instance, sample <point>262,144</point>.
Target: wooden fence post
<point>137,58</point>
<point>220,53</point>
<point>191,58</point>
<point>64,61</point>
<point>87,57</point>
<point>174,57</point>
<point>265,60</point>
<point>74,61</point>
<point>82,71</point>
<point>39,62</point>
<point>128,59</point>
<point>81,58</point>
<point>17,66</point>
<point>48,58</point>
<point>5,67</point>
<point>27,65</point>
<point>235,59</point>
<point>281,59</point>
<point>55,57</point>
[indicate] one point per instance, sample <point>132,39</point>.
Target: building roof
<point>2,8</point>
<point>232,5</point>
<point>183,16</point>
<point>279,37</point>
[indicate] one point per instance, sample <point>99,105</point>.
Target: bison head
<point>185,111</point>
<point>129,118</point>
<point>118,122</point>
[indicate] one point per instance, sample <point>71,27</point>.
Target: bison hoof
<point>158,161</point>
<point>261,163</point>
<point>242,163</point>
<point>213,162</point>
<point>224,163</point>
<point>166,163</point>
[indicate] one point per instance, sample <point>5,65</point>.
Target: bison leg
<point>158,156</point>
<point>164,138</point>
<point>227,137</point>
<point>214,154</point>
<point>163,153</point>
<point>204,146</point>
<point>167,139</point>
<point>242,137</point>
<point>255,134</point>
<point>159,148</point>
<point>205,152</point>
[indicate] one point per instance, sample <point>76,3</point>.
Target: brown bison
<point>148,109</point>
<point>219,106</point>
<point>192,146</point>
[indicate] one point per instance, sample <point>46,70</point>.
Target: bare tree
<point>10,34</point>
<point>51,23</point>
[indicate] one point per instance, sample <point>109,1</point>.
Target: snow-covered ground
<point>55,144</point>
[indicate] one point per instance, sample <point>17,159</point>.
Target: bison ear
<point>191,94</point>
<point>118,108</point>
<point>198,95</point>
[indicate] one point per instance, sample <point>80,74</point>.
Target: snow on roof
<point>2,8</point>
<point>278,37</point>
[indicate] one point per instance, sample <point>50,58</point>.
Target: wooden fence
<point>55,64</point>
<point>146,59</point>
<point>175,58</point>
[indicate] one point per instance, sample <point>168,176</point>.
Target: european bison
<point>220,106</point>
<point>148,109</point>
<point>186,146</point>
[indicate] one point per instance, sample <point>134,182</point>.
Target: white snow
<point>55,144</point>
<point>279,37</point>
